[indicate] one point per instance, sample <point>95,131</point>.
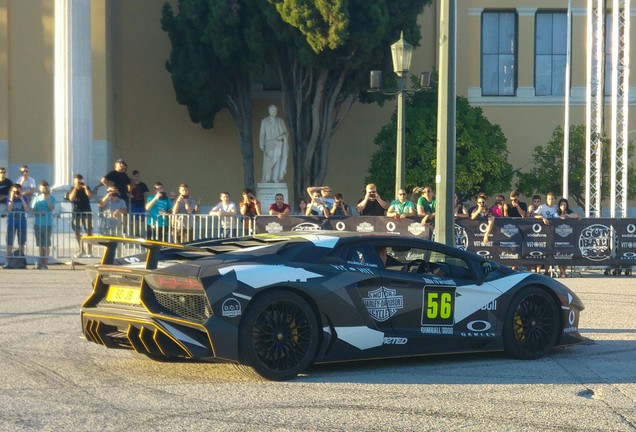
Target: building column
<point>73,90</point>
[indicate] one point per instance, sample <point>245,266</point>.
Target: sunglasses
<point>401,193</point>
<point>25,171</point>
<point>481,202</point>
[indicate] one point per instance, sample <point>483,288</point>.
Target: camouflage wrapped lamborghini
<point>275,304</point>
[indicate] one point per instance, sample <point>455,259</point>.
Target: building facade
<point>510,59</point>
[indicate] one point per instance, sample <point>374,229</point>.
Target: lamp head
<point>401,52</point>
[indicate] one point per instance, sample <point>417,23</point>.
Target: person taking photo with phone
<point>372,204</point>
<point>17,207</point>
<point>158,207</point>
<point>80,196</point>
<point>183,211</point>
<point>250,207</point>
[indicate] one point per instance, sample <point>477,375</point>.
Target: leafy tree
<point>481,154</point>
<point>213,51</point>
<point>320,88</point>
<point>547,172</point>
<point>321,51</point>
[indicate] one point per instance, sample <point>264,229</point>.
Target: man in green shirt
<point>401,208</point>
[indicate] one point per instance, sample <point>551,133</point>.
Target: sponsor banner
<point>565,244</point>
<point>512,241</point>
<point>469,235</point>
<point>626,231</point>
<point>503,244</point>
<point>507,240</point>
<point>597,240</point>
<point>361,224</point>
<point>537,240</point>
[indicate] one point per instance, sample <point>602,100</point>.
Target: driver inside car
<point>387,260</point>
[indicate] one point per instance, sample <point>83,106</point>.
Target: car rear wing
<point>153,248</point>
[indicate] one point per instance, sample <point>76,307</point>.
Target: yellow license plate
<point>127,295</point>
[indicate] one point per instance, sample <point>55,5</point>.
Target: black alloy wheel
<point>279,336</point>
<point>532,324</point>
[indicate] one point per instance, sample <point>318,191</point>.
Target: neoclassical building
<point>83,82</point>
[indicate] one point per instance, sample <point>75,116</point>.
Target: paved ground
<point>52,379</point>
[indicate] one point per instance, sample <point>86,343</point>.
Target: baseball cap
<point>121,161</point>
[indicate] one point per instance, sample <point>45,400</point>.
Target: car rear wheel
<point>279,335</point>
<point>532,324</point>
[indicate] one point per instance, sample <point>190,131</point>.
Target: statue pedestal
<point>266,192</point>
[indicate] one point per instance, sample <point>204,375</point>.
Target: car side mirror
<point>487,267</point>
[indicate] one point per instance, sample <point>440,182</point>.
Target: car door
<point>372,297</point>
<point>423,321</point>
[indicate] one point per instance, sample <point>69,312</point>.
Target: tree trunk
<point>313,114</point>
<point>240,108</point>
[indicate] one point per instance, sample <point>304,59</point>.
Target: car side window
<point>356,256</point>
<point>450,266</point>
<point>425,261</point>
<point>405,259</point>
<point>361,255</point>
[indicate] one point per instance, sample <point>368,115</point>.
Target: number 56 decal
<point>438,306</point>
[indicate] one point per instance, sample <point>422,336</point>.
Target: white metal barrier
<point>169,228</point>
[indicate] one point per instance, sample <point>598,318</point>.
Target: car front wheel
<point>532,324</point>
<point>279,335</point>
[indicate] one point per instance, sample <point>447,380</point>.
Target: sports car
<point>275,304</point>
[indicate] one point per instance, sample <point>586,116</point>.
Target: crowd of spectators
<point>155,213</point>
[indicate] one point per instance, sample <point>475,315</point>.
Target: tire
<point>279,336</point>
<point>532,324</point>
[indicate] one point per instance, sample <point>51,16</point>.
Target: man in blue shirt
<point>17,208</point>
<point>43,206</point>
<point>158,207</point>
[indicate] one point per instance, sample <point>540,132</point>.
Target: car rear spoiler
<point>153,247</point>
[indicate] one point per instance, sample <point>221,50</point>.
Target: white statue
<point>273,142</point>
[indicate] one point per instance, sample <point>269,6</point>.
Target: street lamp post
<point>401,53</point>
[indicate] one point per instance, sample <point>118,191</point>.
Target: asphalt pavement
<point>52,379</point>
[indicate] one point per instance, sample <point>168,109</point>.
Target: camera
<point>81,183</point>
<point>162,194</point>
